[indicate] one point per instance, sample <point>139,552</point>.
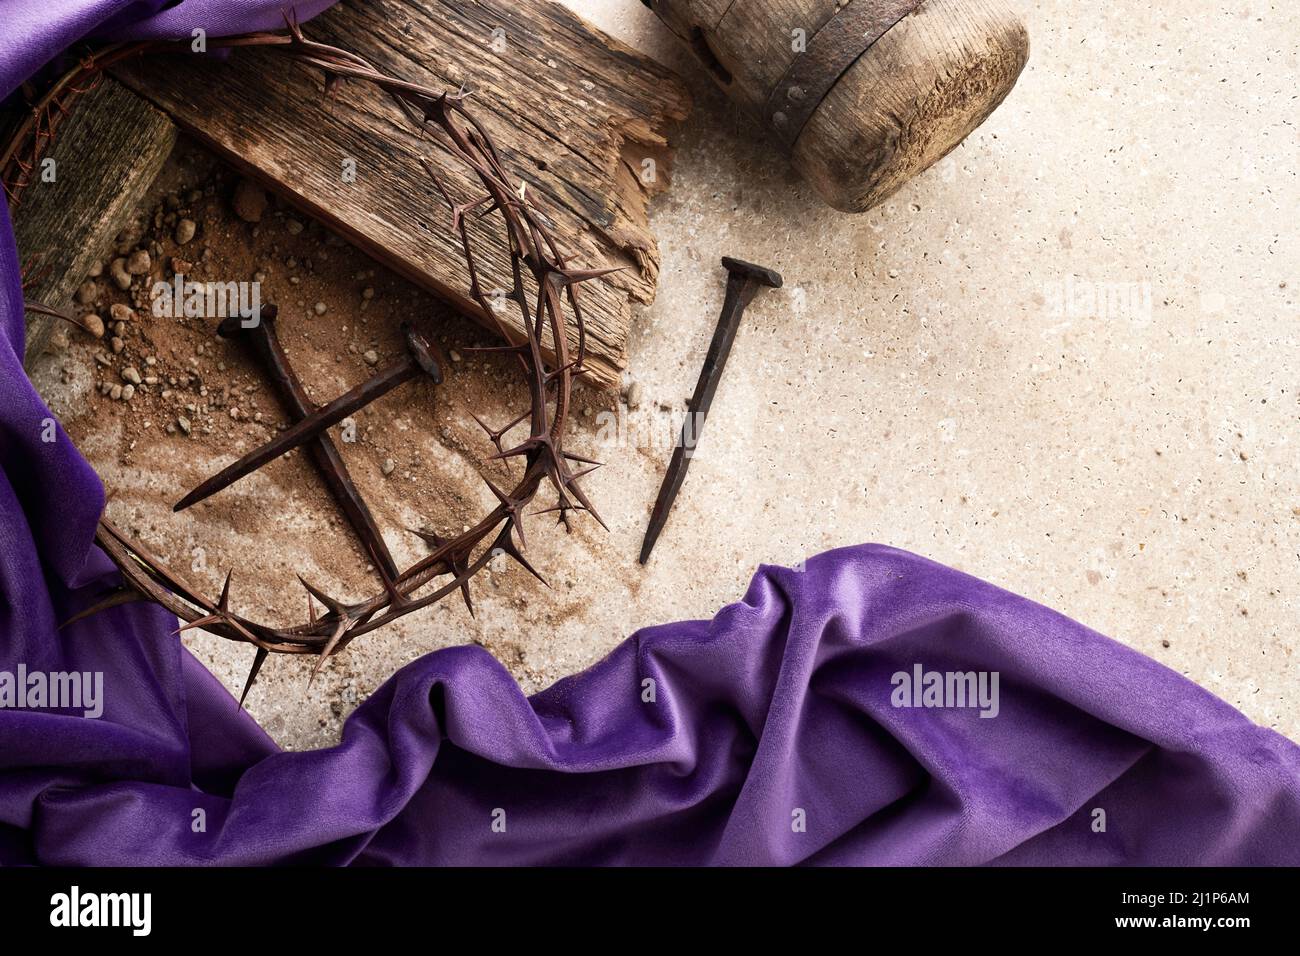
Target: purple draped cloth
<point>768,735</point>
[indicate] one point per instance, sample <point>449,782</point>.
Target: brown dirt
<point>280,521</point>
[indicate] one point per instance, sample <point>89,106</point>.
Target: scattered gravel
<point>185,230</point>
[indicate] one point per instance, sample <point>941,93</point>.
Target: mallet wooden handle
<point>863,94</point>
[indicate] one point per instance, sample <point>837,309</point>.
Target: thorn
<point>496,434</point>
<point>571,483</point>
<point>116,597</point>
<point>568,277</point>
<point>566,367</point>
<point>336,606</point>
<point>512,508</point>
<point>339,631</point>
<point>504,544</point>
<point>258,660</point>
<point>523,448</point>
<point>221,615</point>
<point>433,109</point>
<point>459,564</point>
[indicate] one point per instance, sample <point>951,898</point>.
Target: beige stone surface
<point>1065,360</point>
<point>934,377</point>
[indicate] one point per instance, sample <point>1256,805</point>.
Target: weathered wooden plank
<point>572,110</point>
<point>106,155</point>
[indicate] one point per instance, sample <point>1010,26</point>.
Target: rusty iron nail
<point>270,352</point>
<point>744,279</point>
<point>419,358</point>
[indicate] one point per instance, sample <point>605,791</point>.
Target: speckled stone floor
<point>1065,360</point>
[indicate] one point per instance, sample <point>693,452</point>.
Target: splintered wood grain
<point>107,153</point>
<point>573,112</point>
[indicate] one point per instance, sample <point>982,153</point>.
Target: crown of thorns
<point>542,285</point>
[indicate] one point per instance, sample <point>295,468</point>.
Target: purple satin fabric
<point>777,710</point>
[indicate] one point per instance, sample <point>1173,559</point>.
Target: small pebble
<point>139,263</point>
<point>294,227</point>
<point>634,395</point>
<point>94,324</point>
<point>367,293</point>
<point>117,271</point>
<point>116,344</point>
<point>388,467</point>
<point>320,308</point>
<point>86,292</point>
<point>371,357</point>
<point>131,374</point>
<point>183,424</point>
<point>115,392</point>
<point>185,230</point>
<point>454,355</point>
<point>121,313</point>
<point>128,392</point>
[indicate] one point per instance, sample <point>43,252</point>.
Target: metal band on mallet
<point>835,47</point>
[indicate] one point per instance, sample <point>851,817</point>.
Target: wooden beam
<point>573,111</point>
<point>106,155</point>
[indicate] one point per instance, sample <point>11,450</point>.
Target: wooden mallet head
<point>862,94</point>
